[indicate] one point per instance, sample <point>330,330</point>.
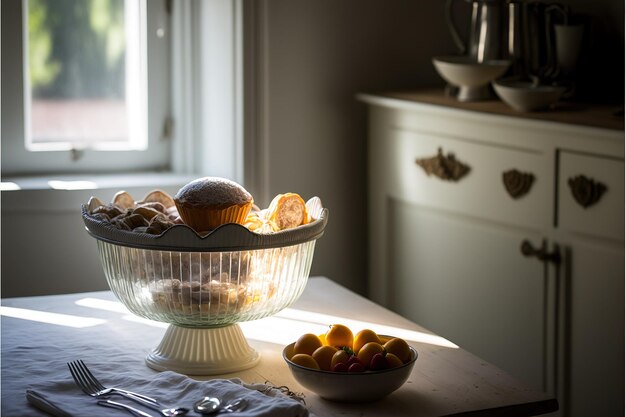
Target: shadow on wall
<point>600,74</point>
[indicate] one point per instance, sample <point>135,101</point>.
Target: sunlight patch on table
<point>117,307</point>
<point>100,304</point>
<point>287,325</point>
<point>279,330</point>
<point>307,319</point>
<point>50,318</point>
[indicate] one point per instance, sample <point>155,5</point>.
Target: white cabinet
<point>534,282</point>
<point>595,329</point>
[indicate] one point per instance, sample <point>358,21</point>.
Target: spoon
<point>207,405</point>
<point>237,405</point>
<point>212,405</point>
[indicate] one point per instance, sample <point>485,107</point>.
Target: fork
<point>91,386</point>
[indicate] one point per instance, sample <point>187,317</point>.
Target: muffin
<point>209,202</point>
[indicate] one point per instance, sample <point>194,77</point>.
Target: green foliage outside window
<point>76,48</point>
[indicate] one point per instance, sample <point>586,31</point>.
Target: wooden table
<point>446,380</point>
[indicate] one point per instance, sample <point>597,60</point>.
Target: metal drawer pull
<point>445,167</point>
<point>517,183</point>
<point>528,250</point>
<point>586,191</point>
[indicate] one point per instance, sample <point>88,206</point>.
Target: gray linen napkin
<point>170,389</point>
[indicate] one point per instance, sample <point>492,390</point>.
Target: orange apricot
<point>339,336</point>
<point>400,348</point>
<point>305,360</point>
<point>363,337</point>
<point>323,355</point>
<point>307,343</point>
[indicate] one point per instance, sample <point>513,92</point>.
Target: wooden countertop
<point>590,115</point>
<point>446,379</point>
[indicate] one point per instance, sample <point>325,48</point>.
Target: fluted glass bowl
<point>206,289</point>
<point>203,285</point>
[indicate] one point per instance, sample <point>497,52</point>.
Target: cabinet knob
<point>517,183</point>
<point>529,251</point>
<point>445,167</point>
<point>586,191</point>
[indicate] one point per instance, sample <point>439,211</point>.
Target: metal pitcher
<point>485,33</point>
<point>540,42</point>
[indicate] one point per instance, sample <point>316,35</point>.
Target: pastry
<point>287,211</point>
<point>209,202</point>
<point>123,200</point>
<point>158,197</point>
<point>153,215</point>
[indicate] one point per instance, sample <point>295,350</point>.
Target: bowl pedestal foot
<point>194,351</point>
<point>478,93</point>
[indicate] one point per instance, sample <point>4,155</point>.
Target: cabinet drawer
<point>580,178</point>
<point>480,193</point>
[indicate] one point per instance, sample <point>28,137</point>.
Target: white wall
<point>314,57</point>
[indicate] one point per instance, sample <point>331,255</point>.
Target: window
<point>120,86</point>
<point>85,86</point>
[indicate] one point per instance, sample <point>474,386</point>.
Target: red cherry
<point>378,362</point>
<point>356,367</point>
<point>340,367</point>
<point>354,359</point>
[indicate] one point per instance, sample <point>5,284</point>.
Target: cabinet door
<point>596,339</point>
<point>467,280</point>
<point>594,231</point>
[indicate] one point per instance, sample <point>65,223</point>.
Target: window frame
<point>17,160</point>
<point>202,115</point>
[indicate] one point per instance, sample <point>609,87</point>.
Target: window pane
<point>84,73</point>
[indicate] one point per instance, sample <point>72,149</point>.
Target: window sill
<point>68,192</point>
<point>99,181</point>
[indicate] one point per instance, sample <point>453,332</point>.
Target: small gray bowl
<point>354,387</point>
<point>524,96</point>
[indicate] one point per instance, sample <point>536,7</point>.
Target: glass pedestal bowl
<point>204,285</point>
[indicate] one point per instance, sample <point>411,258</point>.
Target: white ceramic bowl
<point>350,386</point>
<point>470,76</point>
<point>523,96</point>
